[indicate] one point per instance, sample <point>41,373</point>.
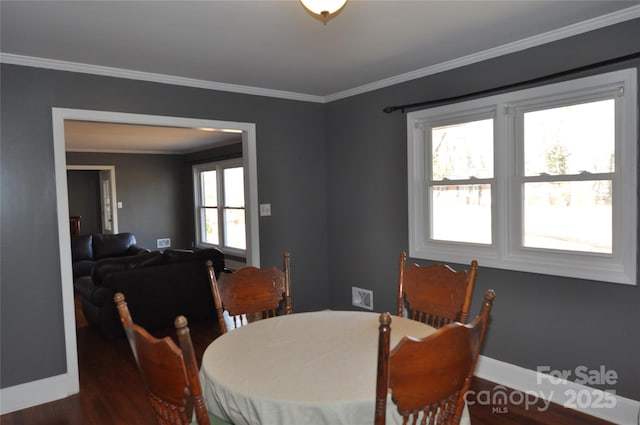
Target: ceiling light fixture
<point>323,9</point>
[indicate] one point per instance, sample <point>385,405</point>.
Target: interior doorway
<point>105,219</point>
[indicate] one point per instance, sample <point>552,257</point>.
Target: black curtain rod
<point>403,108</point>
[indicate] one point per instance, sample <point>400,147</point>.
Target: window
<point>540,180</point>
<point>220,208</point>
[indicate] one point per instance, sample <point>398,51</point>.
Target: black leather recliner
<point>157,286</point>
<point>87,249</point>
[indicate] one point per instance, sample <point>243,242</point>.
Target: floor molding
<point>591,401</point>
<point>33,393</point>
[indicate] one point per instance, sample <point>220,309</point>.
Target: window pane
<point>463,150</point>
<point>461,213</point>
<point>234,187</point>
<point>210,226</point>
<point>234,230</point>
<point>570,139</point>
<point>209,188</point>
<point>574,216</point>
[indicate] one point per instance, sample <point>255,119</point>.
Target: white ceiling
<point>276,45</point>
<point>275,48</point>
<point>89,136</point>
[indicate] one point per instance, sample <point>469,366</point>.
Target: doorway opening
<point>102,180</point>
<point>60,115</point>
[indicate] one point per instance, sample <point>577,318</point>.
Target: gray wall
<point>537,320</point>
<point>84,199</point>
<point>155,192</point>
<point>333,173</point>
<point>291,165</point>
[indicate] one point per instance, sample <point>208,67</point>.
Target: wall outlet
<point>362,298</point>
<point>163,243</point>
<point>265,210</point>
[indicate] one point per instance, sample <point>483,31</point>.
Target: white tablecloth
<point>305,368</point>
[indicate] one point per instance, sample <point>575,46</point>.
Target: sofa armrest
<point>135,250</point>
<point>96,294</point>
<point>84,286</point>
<point>201,255</point>
<point>82,268</point>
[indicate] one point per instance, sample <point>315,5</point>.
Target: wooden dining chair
<point>249,294</point>
<point>435,294</point>
<point>169,372</point>
<point>429,377</point>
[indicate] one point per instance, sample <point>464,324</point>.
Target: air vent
<point>362,298</point>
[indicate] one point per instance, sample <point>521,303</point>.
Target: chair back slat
<point>251,293</point>
<point>428,378</point>
<point>169,372</point>
<point>436,295</point>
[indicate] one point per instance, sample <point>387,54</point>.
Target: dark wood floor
<point>111,392</point>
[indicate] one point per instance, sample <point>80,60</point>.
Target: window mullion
<point>504,190</point>
<point>221,205</point>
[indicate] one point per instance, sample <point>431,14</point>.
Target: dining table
<point>303,368</point>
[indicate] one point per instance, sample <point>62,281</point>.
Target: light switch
<point>119,204</point>
<point>265,210</point>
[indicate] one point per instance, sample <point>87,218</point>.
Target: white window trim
<point>506,251</point>
<point>214,165</point>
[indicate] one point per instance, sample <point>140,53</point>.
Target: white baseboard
<point>37,392</point>
<point>533,384</point>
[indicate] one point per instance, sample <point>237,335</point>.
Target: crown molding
<point>537,40</point>
<point>548,37</point>
<point>60,65</point>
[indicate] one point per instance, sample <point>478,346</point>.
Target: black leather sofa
<point>88,248</point>
<point>157,287</point>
